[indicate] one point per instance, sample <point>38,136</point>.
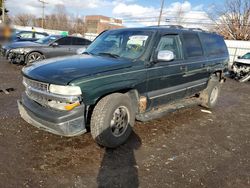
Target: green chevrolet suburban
<point>124,75</point>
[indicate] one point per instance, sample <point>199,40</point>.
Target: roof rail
<point>169,26</point>
<point>195,29</point>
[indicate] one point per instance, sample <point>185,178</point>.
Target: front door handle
<point>183,68</point>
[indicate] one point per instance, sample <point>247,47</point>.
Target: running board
<point>171,107</point>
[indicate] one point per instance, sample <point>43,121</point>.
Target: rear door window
<point>80,41</point>
<point>192,45</point>
<point>65,41</point>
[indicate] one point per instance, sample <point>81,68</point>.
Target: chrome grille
<point>35,84</point>
<point>39,92</point>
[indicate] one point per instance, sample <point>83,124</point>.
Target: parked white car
<point>241,68</point>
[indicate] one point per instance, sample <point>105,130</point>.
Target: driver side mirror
<point>54,44</point>
<point>18,36</point>
<point>239,57</point>
<point>165,55</point>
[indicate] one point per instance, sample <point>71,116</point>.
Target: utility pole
<point>3,11</point>
<point>162,5</point>
<point>43,6</point>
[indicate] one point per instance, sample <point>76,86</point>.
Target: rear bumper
<point>63,123</point>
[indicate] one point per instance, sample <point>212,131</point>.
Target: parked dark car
<point>47,47</point>
<point>125,74</point>
<point>19,36</point>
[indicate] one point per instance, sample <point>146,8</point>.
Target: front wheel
<point>33,57</point>
<point>112,120</point>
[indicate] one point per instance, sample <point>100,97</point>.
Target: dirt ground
<point>187,148</point>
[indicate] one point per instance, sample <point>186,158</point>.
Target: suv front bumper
<point>63,123</point>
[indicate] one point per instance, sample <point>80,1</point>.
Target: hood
<point>22,45</point>
<point>65,69</point>
<point>243,61</point>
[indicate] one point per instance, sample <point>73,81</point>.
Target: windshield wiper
<point>109,54</point>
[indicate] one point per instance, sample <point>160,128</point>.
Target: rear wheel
<point>210,95</point>
<point>33,57</point>
<point>112,120</point>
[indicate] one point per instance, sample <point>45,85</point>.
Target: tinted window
<point>80,41</point>
<point>192,45</point>
<point>214,44</point>
<point>48,39</point>
<point>64,41</point>
<point>171,43</point>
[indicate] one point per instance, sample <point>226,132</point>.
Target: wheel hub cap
<point>120,120</point>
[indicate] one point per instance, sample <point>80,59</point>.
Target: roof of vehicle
<point>75,37</point>
<point>22,31</point>
<point>171,28</point>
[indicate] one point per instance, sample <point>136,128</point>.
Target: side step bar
<point>171,107</point>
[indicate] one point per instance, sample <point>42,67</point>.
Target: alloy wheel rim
<point>120,121</point>
<point>34,57</point>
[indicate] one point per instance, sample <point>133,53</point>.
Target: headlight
<point>65,90</point>
<point>20,50</point>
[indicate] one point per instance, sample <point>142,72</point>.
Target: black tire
<point>107,111</point>
<point>209,96</point>
<point>33,57</point>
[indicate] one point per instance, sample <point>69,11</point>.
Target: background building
<point>95,24</point>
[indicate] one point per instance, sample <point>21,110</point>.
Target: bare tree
<point>24,19</point>
<point>233,21</point>
<point>179,16</point>
<point>78,26</point>
<point>58,20</point>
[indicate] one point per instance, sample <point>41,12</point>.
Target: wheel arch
<point>38,51</point>
<point>131,92</point>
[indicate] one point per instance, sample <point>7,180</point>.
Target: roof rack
<point>195,29</point>
<point>169,26</point>
<point>178,27</point>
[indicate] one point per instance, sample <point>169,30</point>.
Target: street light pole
<point>3,11</point>
<point>43,6</point>
<point>159,19</point>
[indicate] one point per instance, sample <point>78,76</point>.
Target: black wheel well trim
<point>218,73</point>
<point>132,93</point>
<point>34,51</point>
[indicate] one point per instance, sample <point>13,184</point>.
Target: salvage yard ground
<point>187,148</point>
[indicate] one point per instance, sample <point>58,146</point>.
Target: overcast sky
<point>133,12</point>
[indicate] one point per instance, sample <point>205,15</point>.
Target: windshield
<point>48,39</point>
<point>246,56</point>
<point>120,43</point>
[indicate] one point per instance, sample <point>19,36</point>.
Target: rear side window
<point>80,41</point>
<point>64,41</point>
<point>214,44</point>
<point>192,45</point>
